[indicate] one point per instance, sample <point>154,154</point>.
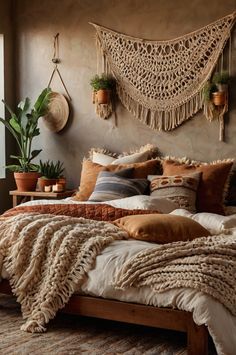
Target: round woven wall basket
<point>58,112</point>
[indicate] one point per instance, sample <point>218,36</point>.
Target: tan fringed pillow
<point>91,170</point>
<point>163,228</point>
<point>211,188</point>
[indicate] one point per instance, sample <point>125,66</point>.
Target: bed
<point>186,309</point>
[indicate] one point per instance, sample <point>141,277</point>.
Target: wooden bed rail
<point>197,336</point>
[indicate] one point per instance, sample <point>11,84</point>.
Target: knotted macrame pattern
<point>160,82</point>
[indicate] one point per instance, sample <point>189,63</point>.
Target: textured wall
<point>6,28</point>
<point>38,21</point>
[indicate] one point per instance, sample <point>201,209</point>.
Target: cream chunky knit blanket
<point>48,257</point>
<point>206,264</point>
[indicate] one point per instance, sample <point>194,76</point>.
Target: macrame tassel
<point>104,111</point>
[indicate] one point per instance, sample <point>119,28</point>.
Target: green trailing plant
<point>208,89</point>
<point>51,170</point>
<point>23,126</point>
<point>221,78</point>
<point>103,82</point>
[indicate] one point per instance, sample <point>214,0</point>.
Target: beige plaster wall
<point>39,21</point>
<point>6,28</point>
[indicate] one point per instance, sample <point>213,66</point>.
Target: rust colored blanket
<point>96,212</point>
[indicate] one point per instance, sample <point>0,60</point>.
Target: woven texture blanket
<point>48,257</point>
<point>206,264</point>
<point>99,212</point>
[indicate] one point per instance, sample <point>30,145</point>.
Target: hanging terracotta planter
<point>103,96</point>
<point>219,98</point>
<point>26,181</point>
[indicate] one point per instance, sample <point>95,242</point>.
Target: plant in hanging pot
<point>220,80</point>
<point>208,89</point>
<point>51,173</point>
<point>102,88</point>
<point>23,126</point>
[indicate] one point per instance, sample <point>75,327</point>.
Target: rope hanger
<point>56,60</point>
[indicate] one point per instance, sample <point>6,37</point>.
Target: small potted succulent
<point>50,173</point>
<point>102,88</point>
<point>23,126</point>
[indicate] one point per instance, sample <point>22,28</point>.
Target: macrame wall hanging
<point>161,82</point>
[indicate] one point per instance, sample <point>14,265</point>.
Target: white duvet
<point>206,310</point>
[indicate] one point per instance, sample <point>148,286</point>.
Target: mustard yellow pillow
<point>163,228</point>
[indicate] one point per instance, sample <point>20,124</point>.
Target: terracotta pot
<point>26,181</point>
<point>219,98</point>
<point>103,96</point>
<point>42,182</point>
<point>62,181</point>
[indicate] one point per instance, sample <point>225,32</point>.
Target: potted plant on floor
<point>50,173</point>
<point>102,88</point>
<point>23,126</point>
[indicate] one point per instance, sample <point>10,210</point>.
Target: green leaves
<point>51,170</point>
<point>41,104</point>
<point>23,126</point>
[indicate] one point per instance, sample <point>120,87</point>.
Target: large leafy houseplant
<point>23,126</point>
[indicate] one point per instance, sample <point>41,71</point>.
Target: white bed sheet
<point>206,310</point>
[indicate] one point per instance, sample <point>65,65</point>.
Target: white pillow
<point>132,158</point>
<point>215,223</point>
<point>102,159</point>
<point>144,202</point>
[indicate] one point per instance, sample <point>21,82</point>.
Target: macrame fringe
<point>161,120</point>
<point>104,111</point>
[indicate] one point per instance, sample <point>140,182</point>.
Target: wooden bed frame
<point>197,336</point>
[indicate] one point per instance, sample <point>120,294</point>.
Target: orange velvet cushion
<point>212,184</point>
<point>163,228</point>
<point>91,170</point>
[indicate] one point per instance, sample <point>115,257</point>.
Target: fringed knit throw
<point>161,82</point>
<point>206,264</point>
<point>48,257</point>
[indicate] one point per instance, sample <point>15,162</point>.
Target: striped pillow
<point>112,186</point>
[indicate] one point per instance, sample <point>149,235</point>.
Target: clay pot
<point>103,96</point>
<point>62,181</point>
<point>26,181</point>
<point>42,182</point>
<point>219,98</point>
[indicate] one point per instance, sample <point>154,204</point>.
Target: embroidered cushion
<point>181,189</point>
<point>111,186</point>
<point>212,185</point>
<point>162,228</point>
<point>91,170</point>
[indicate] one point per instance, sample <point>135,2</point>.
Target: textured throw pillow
<point>91,170</point>
<point>144,202</point>
<point>163,228</point>
<point>181,189</point>
<point>112,186</point>
<point>231,193</point>
<point>211,189</point>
